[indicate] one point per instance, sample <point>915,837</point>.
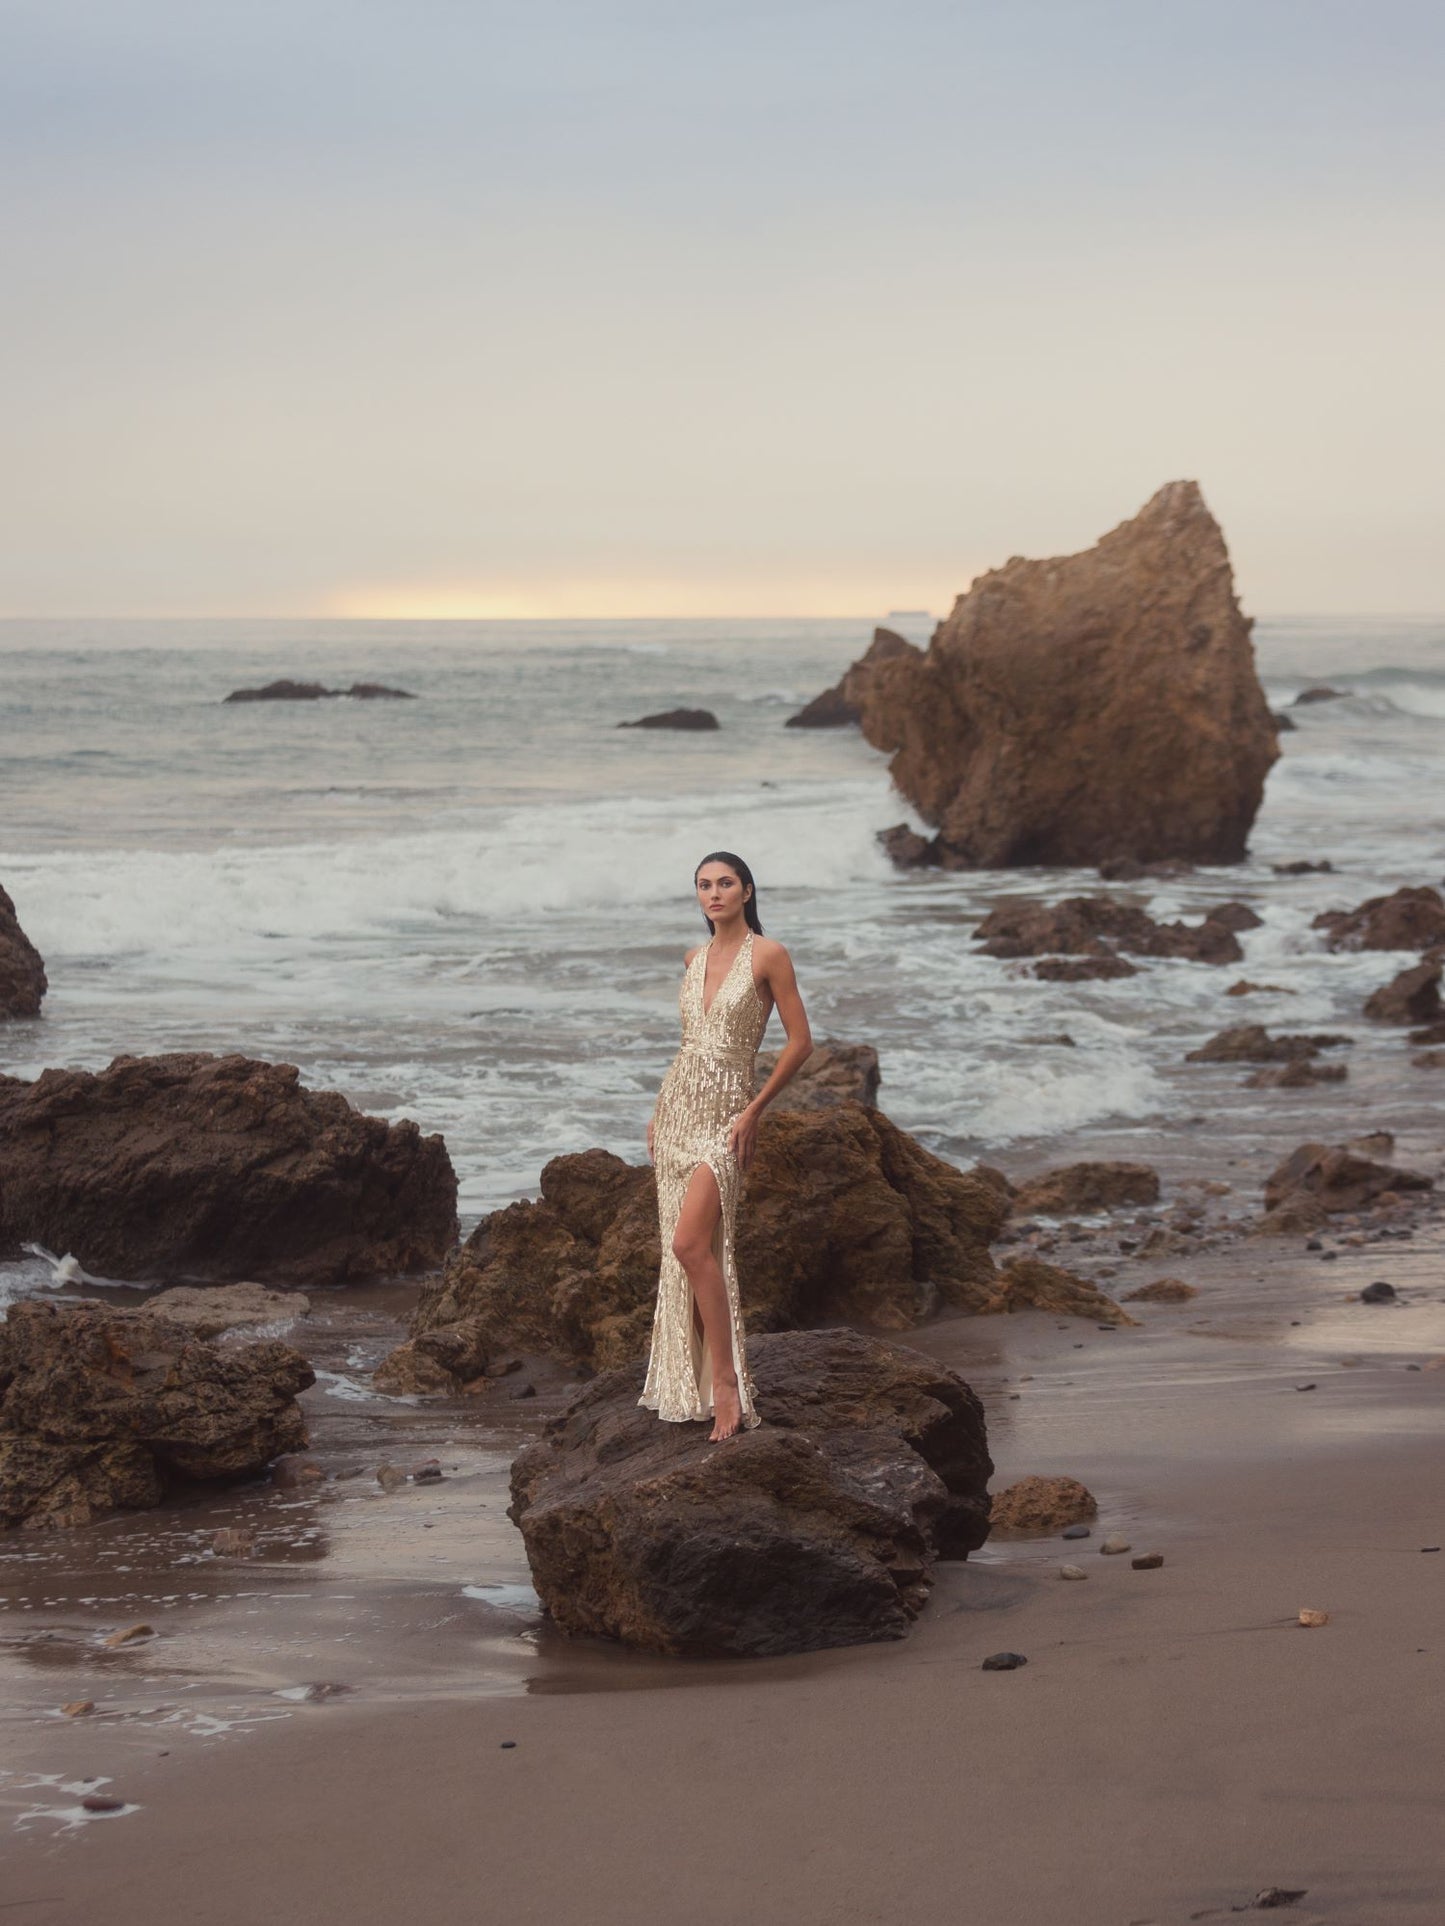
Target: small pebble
<point>1273,1896</point>
<point>78,1708</point>
<point>1076,1531</point>
<point>101,1802</point>
<point>1003,1662</point>
<point>1311,1386</point>
<point>1329,1257</point>
<point>1308,1617</point>
<point>1147,1561</point>
<point>1072,1571</point>
<point>128,1635</point>
<point>509,1745</point>
<point>1378,1294</point>
<point>429,1473</point>
<point>1113,1545</point>
<point>1424,1548</point>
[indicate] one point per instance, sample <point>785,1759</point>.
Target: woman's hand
<point>743,1137</point>
<point>650,1157</point>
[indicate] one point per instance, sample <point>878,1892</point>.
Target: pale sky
<point>571,307</point>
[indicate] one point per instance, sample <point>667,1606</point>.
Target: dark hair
<point>744,875</point>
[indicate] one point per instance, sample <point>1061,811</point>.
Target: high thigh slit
<point>708,1083</point>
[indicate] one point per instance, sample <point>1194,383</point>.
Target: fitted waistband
<point>730,1059</point>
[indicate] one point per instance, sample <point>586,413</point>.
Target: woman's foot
<point>727,1411</point>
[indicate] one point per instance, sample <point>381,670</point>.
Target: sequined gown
<point>708,1082</point>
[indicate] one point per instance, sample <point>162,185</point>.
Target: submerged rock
<point>103,1409</point>
<point>1079,1189</point>
<point>22,973</point>
<point>842,1216</point>
<point>1101,926</point>
<point>1086,708</point>
<point>819,1529</point>
<point>1252,1043</point>
<point>1410,919</point>
<point>218,1168</point>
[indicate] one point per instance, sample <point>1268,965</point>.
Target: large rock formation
<point>1100,927</point>
<point>22,973</point>
<point>843,1216</point>
<point>842,703</point>
<point>102,1409</point>
<point>819,1529</point>
<point>217,1168</point>
<point>1089,707</point>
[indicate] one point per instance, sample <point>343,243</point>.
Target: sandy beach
<point>1176,1744</point>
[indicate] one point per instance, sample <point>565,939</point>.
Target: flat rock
<point>1060,694</point>
<point>1410,919</point>
<point>843,1216</point>
<point>1100,927</point>
<point>218,1168</point>
<point>1034,1506</point>
<point>818,1529</point>
<point>22,973</point>
<point>104,1409</point>
<point>1077,1190</point>
<point>674,719</point>
<point>1147,1562</point>
<point>213,1308</point>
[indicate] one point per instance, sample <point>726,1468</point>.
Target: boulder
<point>841,704</point>
<point>1411,919</point>
<point>835,1073</point>
<point>1336,1178</point>
<point>1029,1284</point>
<point>22,973</point>
<point>1411,997</point>
<point>1032,1506</point>
<point>1091,707</point>
<point>818,1529</point>
<point>217,1168</point>
<point>211,1309</point>
<point>675,719</point>
<point>103,1409</point>
<point>1100,926</point>
<point>1076,1190</point>
<point>1252,1043</point>
<point>843,1216</point>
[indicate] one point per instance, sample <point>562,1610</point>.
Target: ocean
<point>470,909</point>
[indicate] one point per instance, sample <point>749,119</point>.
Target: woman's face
<point>720,893</point>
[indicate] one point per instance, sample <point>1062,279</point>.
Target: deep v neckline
<point>706,1007</point>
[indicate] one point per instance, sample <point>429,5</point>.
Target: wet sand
<point>1175,1744</point>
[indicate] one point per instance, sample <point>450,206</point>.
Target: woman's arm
<point>778,974</point>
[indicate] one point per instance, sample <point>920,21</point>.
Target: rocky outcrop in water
<point>1101,927</point>
<point>835,1073</point>
<point>288,691</point>
<point>819,1529</point>
<point>1411,997</point>
<point>843,1216</point>
<point>842,704</point>
<point>1410,919</point>
<point>217,1168</point>
<point>1252,1043</point>
<point>675,719</point>
<point>103,1409</point>
<point>22,973</point>
<point>1089,707</point>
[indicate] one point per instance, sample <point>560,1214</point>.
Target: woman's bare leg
<point>692,1247</point>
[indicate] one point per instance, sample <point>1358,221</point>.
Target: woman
<point>701,1138</point>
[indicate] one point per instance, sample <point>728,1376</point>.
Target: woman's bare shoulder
<point>769,951</point>
<point>686,961</point>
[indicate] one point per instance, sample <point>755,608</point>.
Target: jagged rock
<point>1301,868</point>
<point>906,848</point>
<point>1082,969</point>
<point>1252,1043</point>
<point>819,1529</point>
<point>835,1073</point>
<point>1296,1216</point>
<point>1411,997</point>
<point>1032,1506</point>
<point>1028,1283</point>
<point>839,705</point>
<point>1297,1075</point>
<point>675,719</point>
<point>22,973</point>
<point>1075,1190</point>
<point>1086,708</point>
<point>103,1409</point>
<point>1411,919</point>
<point>1100,926</point>
<point>1284,722</point>
<point>217,1168</point>
<point>1164,1290</point>
<point>1337,1178</point>
<point>208,1310</point>
<point>842,1216</point>
<point>1245,988</point>
<point>287,691</point>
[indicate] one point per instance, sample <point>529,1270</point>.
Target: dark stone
<point>1300,868</point>
<point>675,719</point>
<point>1321,693</point>
<point>1147,1562</point>
<point>906,849</point>
<point>1379,1294</point>
<point>1075,1531</point>
<point>818,1529</point>
<point>1003,1662</point>
<point>22,973</point>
